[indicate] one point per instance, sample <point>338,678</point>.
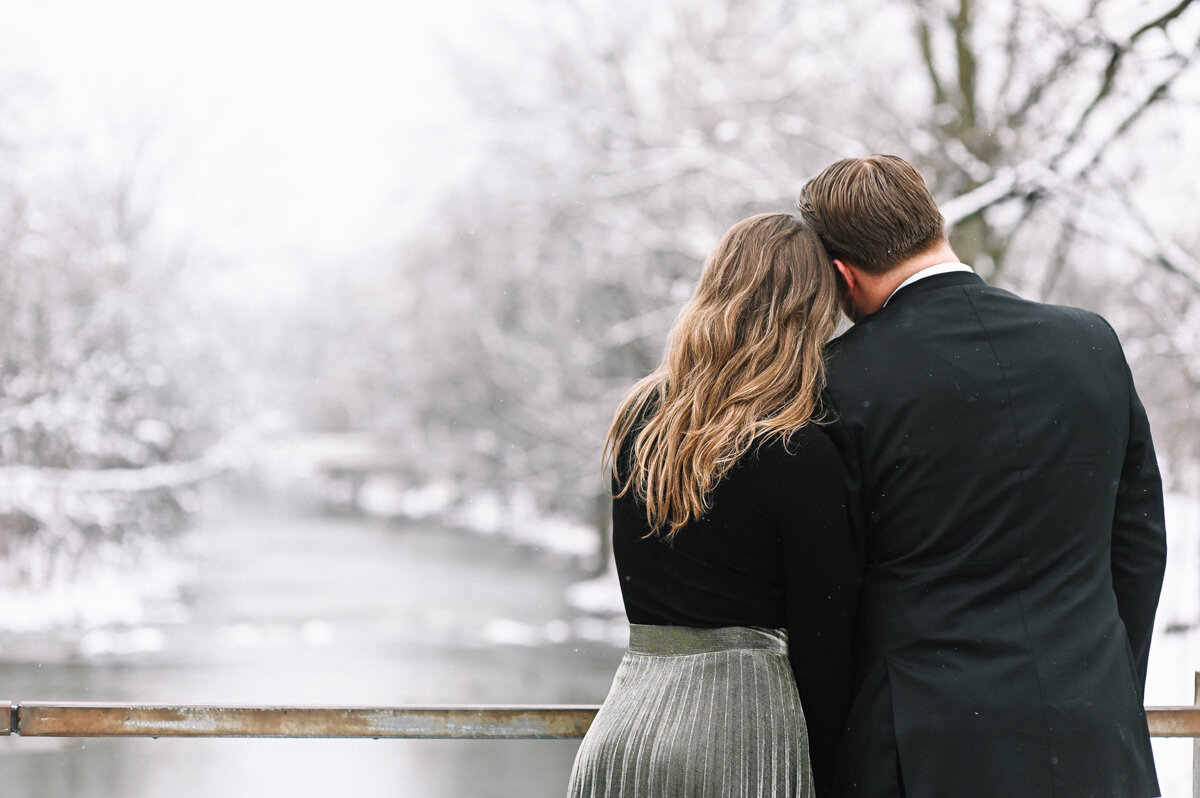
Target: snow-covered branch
<point>1141,241</point>
<point>17,481</point>
<point>1007,183</point>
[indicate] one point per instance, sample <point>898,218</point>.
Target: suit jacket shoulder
<point>1003,489</point>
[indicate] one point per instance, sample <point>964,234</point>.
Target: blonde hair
<point>743,363</point>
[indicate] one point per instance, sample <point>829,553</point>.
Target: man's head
<point>874,212</point>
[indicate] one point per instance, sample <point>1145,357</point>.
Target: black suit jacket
<point>1008,506</point>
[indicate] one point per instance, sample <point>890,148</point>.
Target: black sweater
<point>775,552</point>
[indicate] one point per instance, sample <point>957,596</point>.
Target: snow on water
<point>313,633</point>
<point>381,498</point>
<point>507,632</point>
<point>515,516</point>
<point>130,592</point>
<point>122,642</point>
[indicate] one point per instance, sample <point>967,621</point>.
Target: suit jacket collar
<point>931,284</point>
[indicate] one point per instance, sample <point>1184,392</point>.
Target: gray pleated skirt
<point>698,712</point>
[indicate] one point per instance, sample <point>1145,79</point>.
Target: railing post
<point>1196,746</point>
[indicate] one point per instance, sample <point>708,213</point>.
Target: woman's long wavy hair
<point>743,365</point>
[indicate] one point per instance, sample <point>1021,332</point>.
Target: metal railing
<point>87,719</point>
<point>530,722</point>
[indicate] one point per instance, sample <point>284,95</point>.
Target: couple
<point>920,560</point>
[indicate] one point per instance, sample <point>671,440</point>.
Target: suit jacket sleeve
<point>1139,538</point>
<point>850,455</point>
<point>822,581</point>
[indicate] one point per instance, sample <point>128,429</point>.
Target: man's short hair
<point>874,212</point>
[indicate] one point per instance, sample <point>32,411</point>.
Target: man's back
<point>1011,521</point>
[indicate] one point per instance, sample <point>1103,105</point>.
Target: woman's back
<point>778,511</point>
<point>732,546</point>
<point>773,552</point>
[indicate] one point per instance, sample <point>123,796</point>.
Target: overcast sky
<point>281,131</point>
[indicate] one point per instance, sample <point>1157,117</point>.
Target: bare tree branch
<point>1012,48</point>
<point>1142,241</point>
<point>1162,21</point>
<point>1107,82</point>
<point>1154,96</point>
<point>1058,259</point>
<point>966,64</point>
<point>1067,58</point>
<point>925,38</point>
<point>1169,255</point>
<point>1116,59</point>
<point>1034,181</point>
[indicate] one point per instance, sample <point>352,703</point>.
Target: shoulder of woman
<point>808,446</point>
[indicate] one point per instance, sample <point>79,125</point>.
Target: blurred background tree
<point>617,140</point>
<point>110,390</point>
<point>310,255</point>
<point>623,138</point>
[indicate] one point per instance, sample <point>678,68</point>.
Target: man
<point>1004,491</point>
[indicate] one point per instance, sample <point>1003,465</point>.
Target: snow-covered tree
<point>621,143</point>
<point>1056,135</point>
<point>623,138</point>
<point>105,422</point>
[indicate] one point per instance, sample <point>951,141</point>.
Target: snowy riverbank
<point>143,607</point>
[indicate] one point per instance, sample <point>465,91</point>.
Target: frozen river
<point>342,611</point>
<point>324,611</point>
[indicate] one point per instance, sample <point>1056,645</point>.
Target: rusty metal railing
<point>75,719</point>
<point>530,722</point>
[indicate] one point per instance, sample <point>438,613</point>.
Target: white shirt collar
<point>929,271</point>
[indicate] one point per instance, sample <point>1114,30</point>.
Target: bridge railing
<point>531,722</point>
<point>88,719</point>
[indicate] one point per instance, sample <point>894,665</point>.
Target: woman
<point>731,541</point>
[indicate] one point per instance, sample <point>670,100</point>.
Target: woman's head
<point>760,290</point>
<point>743,362</point>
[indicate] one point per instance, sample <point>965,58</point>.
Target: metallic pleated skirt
<point>698,712</point>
